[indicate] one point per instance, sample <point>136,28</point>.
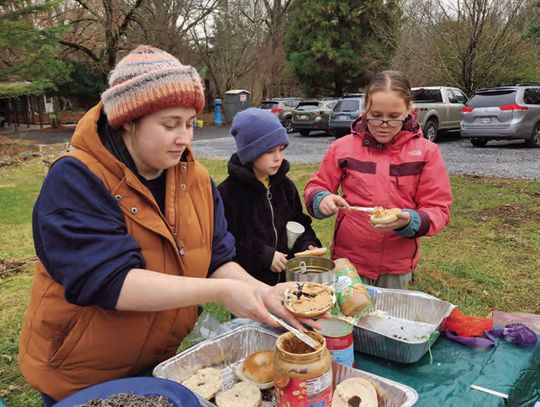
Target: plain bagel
<point>205,382</point>
<point>242,394</point>
<point>258,368</point>
<point>318,252</point>
<point>379,215</point>
<point>355,391</point>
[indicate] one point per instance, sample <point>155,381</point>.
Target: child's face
<point>389,106</point>
<point>158,140</point>
<point>269,163</point>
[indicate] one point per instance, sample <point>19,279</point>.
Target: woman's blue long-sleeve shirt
<point>81,238</point>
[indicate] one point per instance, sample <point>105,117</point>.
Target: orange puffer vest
<point>65,347</point>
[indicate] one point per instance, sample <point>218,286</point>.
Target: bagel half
<point>242,394</point>
<point>355,390</point>
<point>258,368</point>
<point>205,382</point>
<point>379,215</point>
<point>308,299</point>
<point>318,252</point>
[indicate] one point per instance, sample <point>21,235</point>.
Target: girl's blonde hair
<point>394,81</point>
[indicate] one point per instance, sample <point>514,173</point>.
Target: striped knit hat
<point>148,80</point>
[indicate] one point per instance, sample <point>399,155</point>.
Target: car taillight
<point>513,107</point>
<point>467,109</point>
<point>276,110</point>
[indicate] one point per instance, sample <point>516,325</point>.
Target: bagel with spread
<point>242,394</point>
<point>309,300</point>
<point>379,215</point>
<point>355,391</point>
<point>318,252</point>
<point>205,382</point>
<point>258,368</point>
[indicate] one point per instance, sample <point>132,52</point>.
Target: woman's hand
<point>404,218</point>
<point>273,300</point>
<point>243,300</point>
<point>278,262</point>
<point>330,204</point>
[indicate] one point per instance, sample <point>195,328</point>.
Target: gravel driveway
<point>506,159</point>
<point>498,159</point>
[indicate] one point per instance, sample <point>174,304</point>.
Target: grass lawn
<point>487,258</point>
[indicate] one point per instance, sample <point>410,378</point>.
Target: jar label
<point>315,392</point>
<point>341,348</point>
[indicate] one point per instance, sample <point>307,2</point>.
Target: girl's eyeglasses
<point>390,123</point>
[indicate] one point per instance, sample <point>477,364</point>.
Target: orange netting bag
<point>465,325</point>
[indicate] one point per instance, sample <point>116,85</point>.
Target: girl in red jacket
<point>386,162</point>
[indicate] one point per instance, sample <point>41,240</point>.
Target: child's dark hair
<point>389,80</point>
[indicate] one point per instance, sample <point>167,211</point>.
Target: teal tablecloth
<point>446,382</point>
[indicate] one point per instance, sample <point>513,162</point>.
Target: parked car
<point>438,108</point>
<point>503,113</point>
<point>312,115</point>
<point>282,108</point>
<point>347,110</point>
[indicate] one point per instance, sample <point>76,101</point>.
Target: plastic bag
<point>517,333</point>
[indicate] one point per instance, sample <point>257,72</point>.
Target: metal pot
<point>312,269</point>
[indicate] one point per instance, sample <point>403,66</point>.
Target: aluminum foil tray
<point>403,326</point>
<point>225,351</point>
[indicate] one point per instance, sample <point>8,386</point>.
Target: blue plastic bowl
<point>177,394</point>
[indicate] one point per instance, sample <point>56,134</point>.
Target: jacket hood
<point>86,138</point>
<point>411,129</point>
<point>245,174</point>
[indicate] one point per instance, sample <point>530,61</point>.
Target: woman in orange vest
<point>130,234</point>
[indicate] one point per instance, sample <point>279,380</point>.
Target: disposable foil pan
<point>404,325</point>
<point>225,351</point>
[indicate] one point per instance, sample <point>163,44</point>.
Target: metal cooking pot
<point>312,269</point>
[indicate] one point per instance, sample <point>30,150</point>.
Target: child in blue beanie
<point>259,199</point>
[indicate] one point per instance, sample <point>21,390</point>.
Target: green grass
<point>486,259</point>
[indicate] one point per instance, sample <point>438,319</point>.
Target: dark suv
<point>503,113</point>
<point>282,108</point>
<point>347,110</point>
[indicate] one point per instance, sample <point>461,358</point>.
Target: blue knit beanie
<point>257,131</point>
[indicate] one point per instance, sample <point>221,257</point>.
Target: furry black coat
<point>257,218</point>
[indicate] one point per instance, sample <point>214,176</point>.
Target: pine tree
<point>335,46</point>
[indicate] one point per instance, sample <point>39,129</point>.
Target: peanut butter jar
<point>352,297</point>
<point>302,375</point>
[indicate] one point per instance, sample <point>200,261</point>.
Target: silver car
<point>502,113</point>
<point>282,108</point>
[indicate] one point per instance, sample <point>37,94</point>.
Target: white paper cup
<point>294,231</point>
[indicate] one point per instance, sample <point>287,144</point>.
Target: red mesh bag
<point>465,325</point>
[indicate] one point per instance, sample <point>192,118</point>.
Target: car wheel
<point>430,130</point>
<point>534,141</point>
<point>478,142</point>
<point>287,123</point>
<point>304,133</point>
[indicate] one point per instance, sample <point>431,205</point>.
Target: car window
<point>268,105</point>
<point>426,95</point>
<point>532,96</point>
<point>347,105</point>
<point>460,96</point>
<point>493,98</point>
<point>330,105</point>
<point>306,106</point>
<point>451,97</point>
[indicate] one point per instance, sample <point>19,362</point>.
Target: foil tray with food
<point>226,353</point>
<point>403,325</point>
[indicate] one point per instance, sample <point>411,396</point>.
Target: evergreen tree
<point>29,48</point>
<point>336,46</point>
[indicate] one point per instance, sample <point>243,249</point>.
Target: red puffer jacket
<point>408,173</point>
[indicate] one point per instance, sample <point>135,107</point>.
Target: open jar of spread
<point>302,375</point>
